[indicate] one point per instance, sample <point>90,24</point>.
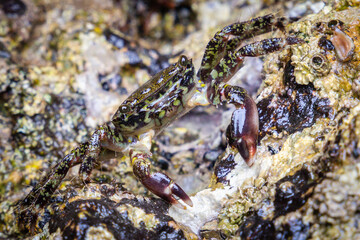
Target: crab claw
<point>164,187</point>
<point>242,132</point>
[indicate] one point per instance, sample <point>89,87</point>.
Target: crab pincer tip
<point>247,149</point>
<point>178,192</point>
<point>189,202</point>
<point>164,187</point>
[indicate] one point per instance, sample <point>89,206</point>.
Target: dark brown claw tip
<point>247,149</point>
<point>163,186</point>
<point>242,132</point>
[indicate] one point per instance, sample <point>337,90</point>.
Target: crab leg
<point>158,183</point>
<point>44,189</point>
<point>220,63</point>
<point>220,44</point>
<point>86,155</point>
<point>242,132</point>
<point>42,192</point>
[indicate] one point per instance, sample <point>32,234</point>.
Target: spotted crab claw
<point>242,132</point>
<point>164,187</point>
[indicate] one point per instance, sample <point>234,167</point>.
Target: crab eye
<point>183,60</point>
<point>124,108</point>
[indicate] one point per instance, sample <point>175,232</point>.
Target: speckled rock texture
<point>305,185</point>
<point>65,66</point>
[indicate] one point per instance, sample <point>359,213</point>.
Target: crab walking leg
<point>91,155</point>
<point>220,44</point>
<point>105,137</point>
<point>158,183</point>
<point>255,27</point>
<point>86,155</point>
<point>230,63</point>
<point>101,135</point>
<point>41,193</point>
<point>266,46</point>
<point>44,189</point>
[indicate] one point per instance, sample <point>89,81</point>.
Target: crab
<point>165,97</point>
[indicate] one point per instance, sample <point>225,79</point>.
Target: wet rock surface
<point>111,216</point>
<point>297,108</point>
